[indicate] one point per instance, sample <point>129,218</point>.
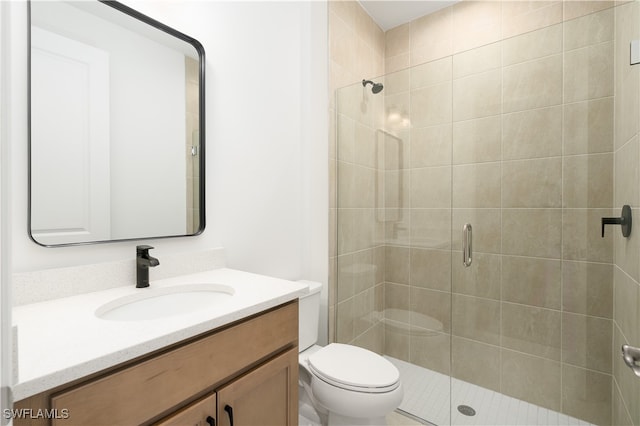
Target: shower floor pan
<point>426,396</point>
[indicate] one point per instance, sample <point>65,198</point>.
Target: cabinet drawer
<point>200,413</point>
<point>139,393</point>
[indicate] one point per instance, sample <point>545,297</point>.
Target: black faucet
<point>143,262</point>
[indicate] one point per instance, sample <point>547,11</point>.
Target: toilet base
<point>339,420</point>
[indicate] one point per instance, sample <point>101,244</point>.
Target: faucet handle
<point>143,249</point>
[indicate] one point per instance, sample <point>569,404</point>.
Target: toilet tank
<point>309,315</point>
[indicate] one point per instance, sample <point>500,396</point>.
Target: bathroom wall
<point>626,275</point>
<point>6,354</point>
<point>264,143</point>
<point>356,52</point>
<point>512,127</point>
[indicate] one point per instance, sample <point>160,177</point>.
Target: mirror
<point>116,134</point>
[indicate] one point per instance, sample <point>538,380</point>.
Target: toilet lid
<point>352,367</point>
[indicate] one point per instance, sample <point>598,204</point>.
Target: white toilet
<point>341,384</point>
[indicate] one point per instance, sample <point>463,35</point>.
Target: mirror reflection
<point>116,135</point>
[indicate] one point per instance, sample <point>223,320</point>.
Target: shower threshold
<point>427,394</point>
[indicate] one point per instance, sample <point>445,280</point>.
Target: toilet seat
<point>354,368</point>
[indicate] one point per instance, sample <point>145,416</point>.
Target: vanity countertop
<point>62,340</point>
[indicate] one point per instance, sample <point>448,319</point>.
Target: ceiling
<point>391,13</point>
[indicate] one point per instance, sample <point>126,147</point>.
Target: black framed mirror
<point>116,126</point>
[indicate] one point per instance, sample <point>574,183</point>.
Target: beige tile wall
<point>356,251</point>
<point>626,275</point>
<point>513,130</point>
<point>529,123</point>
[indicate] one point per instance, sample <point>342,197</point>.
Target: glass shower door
<point>530,140</point>
<point>533,173</point>
<point>393,223</point>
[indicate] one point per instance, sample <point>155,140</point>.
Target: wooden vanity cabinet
<point>199,413</point>
<point>249,367</point>
<point>257,398</point>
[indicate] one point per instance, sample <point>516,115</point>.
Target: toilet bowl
<point>345,384</point>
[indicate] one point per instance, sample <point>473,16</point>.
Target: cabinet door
<point>200,413</point>
<point>267,395</point>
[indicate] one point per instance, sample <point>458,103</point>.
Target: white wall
<point>266,140</point>
<point>6,346</point>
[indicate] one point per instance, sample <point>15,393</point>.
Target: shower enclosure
<point>530,140</point>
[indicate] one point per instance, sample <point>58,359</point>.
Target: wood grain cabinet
<point>244,374</point>
<point>199,413</point>
<point>264,396</point>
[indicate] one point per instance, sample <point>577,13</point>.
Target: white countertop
<point>62,340</point>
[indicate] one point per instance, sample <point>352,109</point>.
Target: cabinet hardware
<point>229,411</point>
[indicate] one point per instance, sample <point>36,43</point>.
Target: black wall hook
<point>624,221</point>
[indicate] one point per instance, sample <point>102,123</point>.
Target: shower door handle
<point>467,238</point>
<point>631,356</point>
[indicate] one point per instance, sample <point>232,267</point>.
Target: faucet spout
<point>150,261</point>
<point>144,261</point>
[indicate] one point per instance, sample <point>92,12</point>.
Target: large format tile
<point>520,17</point>
<point>431,269</point>
<point>532,183</point>
<point>532,133</point>
<point>627,78</point>
<point>431,228</point>
<point>476,319</point>
<point>531,378</point>
<point>589,73</point>
<point>582,238</point>
<point>587,181</point>
<point>533,84</point>
<point>430,309</point>
<point>481,279</point>
<point>430,350</point>
<point>485,225</point>
<point>431,37</point>
<point>532,232</point>
<point>477,141</point>
<point>626,313</point>
<point>588,126</point>
<point>397,264</point>
<point>431,73</point>
<point>431,187</point>
<point>431,105</point>
<point>477,60</point>
<point>477,96</point>
<point>531,330</point>
<point>431,146</point>
<point>587,288</point>
<point>476,185</point>
<point>586,342</point>
<point>533,45</point>
<point>627,174</point>
<point>467,355</point>
<point>476,24</point>
<point>531,281</point>
<point>587,395</point>
<point>588,30</point>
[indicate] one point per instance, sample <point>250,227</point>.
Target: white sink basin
<point>162,302</point>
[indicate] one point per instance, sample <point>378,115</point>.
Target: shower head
<point>375,87</point>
